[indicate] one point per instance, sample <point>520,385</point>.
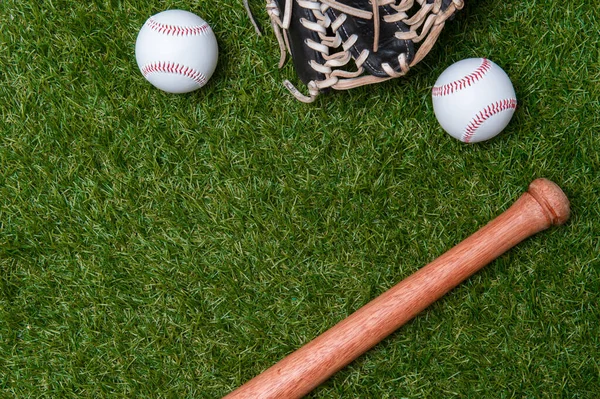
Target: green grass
<point>174,246</point>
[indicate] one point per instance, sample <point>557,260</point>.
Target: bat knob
<point>552,199</point>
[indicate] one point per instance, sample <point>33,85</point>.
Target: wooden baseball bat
<point>543,205</point>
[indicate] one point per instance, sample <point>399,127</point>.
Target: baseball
<point>176,51</point>
<point>474,100</point>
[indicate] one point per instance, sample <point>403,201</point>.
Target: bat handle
<point>543,205</point>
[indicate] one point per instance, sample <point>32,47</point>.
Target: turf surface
<point>173,246</point>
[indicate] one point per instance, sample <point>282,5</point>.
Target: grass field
<point>174,246</point>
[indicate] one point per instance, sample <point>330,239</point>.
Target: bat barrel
<point>299,373</point>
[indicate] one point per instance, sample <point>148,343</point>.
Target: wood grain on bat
<point>542,206</point>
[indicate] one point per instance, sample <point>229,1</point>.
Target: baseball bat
<point>543,205</point>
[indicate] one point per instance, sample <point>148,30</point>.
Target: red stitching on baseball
<point>460,84</point>
<point>172,67</point>
<point>485,114</point>
<point>177,30</point>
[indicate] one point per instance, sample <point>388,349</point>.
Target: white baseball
<point>474,100</point>
<point>176,51</point>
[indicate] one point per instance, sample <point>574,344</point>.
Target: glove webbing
<point>430,20</point>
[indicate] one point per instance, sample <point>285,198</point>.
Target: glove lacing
<point>428,19</point>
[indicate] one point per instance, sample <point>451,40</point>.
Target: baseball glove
<point>341,44</point>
